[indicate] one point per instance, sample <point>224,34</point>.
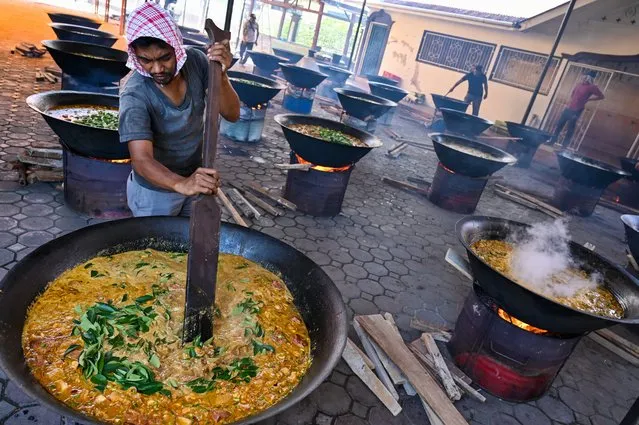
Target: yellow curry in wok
<point>600,301</point>
<point>104,338</point>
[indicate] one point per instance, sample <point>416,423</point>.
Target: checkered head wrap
<point>151,20</point>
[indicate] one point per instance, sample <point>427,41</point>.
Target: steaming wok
<point>317,298</point>
<point>535,309</point>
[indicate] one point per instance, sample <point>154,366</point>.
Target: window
<point>458,54</point>
<point>522,69</point>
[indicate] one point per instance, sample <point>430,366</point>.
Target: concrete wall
<point>504,102</point>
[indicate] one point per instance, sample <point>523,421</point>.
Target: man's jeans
<point>244,47</point>
<point>475,100</point>
<point>569,120</point>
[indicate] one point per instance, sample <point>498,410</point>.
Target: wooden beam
<point>410,390</point>
<point>382,333</point>
<point>229,207</point>
<point>262,191</point>
<point>440,367</point>
<point>530,198</point>
<point>363,355</point>
<point>363,372</point>
<point>614,348</point>
<point>318,24</point>
<point>380,371</point>
<point>423,326</point>
<point>122,17</point>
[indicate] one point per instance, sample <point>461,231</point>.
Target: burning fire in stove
<point>301,160</point>
<point>522,325</point>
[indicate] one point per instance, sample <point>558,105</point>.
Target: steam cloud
<point>542,260</point>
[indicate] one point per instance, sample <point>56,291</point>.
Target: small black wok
<point>535,309</point>
<point>628,165</point>
<point>302,77</point>
<point>463,123</point>
<point>587,171</point>
<point>631,225</point>
<point>252,95</point>
<point>363,106</point>
<point>335,74</point>
<point>65,18</point>
<point>449,103</point>
<point>466,163</point>
<point>320,152</point>
<point>79,138</point>
<point>68,32</point>
<point>88,62</point>
<point>293,57</point>
<point>315,295</point>
<point>265,61</point>
<point>392,93</point>
<point>383,80</point>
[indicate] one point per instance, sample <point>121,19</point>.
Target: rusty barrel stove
<point>320,190</point>
<point>96,165</point>
<point>254,103</point>
<point>512,341</point>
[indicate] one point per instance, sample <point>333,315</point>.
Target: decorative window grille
<point>458,54</point>
<point>522,69</point>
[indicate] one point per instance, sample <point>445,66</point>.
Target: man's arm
<point>596,95</point>
<point>485,83</point>
<point>203,180</point>
<point>461,80</point>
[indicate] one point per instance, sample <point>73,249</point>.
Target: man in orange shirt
<point>584,92</point>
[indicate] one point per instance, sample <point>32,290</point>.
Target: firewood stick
<point>50,78</point>
<point>459,380</point>
<point>396,151</point>
<point>432,417</point>
<point>410,390</point>
<point>362,354</point>
<point>257,201</point>
<point>250,206</point>
<point>530,198</point>
<point>380,371</point>
<point>423,326</point>
<point>440,367</point>
<point>229,206</point>
<point>246,211</point>
<point>396,146</point>
<point>53,71</point>
<point>406,186</point>
<point>418,181</point>
<point>301,167</point>
<point>281,201</point>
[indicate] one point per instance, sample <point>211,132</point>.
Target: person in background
<point>477,87</point>
<point>250,34</point>
<point>584,92</point>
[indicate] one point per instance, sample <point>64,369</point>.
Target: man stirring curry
<point>162,108</point>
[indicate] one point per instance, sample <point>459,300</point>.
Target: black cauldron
<point>82,34</point>
<point>465,124</point>
<point>65,18</point>
<point>250,94</point>
<point>587,171</point>
<point>317,298</point>
<point>363,106</point>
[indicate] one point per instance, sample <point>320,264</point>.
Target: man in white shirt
<point>250,34</point>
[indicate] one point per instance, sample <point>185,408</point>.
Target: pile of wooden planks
<point>39,165</point>
<point>527,200</point>
<point>419,367</point>
<point>28,50</point>
<point>47,75</point>
<point>253,201</point>
<point>403,143</point>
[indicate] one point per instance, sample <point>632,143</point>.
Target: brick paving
<point>384,252</point>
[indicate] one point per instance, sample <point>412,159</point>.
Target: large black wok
<point>264,61</point>
<point>317,298</point>
<point>79,138</point>
<point>363,106</point>
<point>88,62</point>
<point>252,95</point>
<point>631,225</point>
<point>68,32</point>
<point>587,171</point>
<point>451,153</point>
<point>65,18</point>
<point>462,123</point>
<point>449,103</point>
<point>392,93</point>
<point>293,57</point>
<point>320,152</point>
<point>530,136</point>
<point>335,74</point>
<point>383,80</point>
<point>537,310</point>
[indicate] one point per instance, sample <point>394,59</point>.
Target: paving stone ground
<point>385,252</point>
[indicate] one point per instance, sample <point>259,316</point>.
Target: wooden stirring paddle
<point>206,217</point>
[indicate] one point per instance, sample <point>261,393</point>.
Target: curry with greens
<point>104,338</point>
<point>328,135</point>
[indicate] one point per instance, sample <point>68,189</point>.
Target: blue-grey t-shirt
<point>176,131</point>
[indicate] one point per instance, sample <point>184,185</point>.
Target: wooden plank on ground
<point>250,206</point>
<point>403,185</point>
<point>42,162</point>
<point>423,326</point>
<point>44,153</point>
<point>257,201</point>
<point>613,348</point>
<point>619,341</point>
<point>363,372</point>
<point>432,416</point>
<point>440,367</point>
<point>235,196</point>
<point>530,198</point>
<point>262,191</point>
<point>523,202</point>
<point>382,333</point>
<point>410,390</point>
<point>230,208</point>
<point>380,371</point>
<point>363,355</point>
